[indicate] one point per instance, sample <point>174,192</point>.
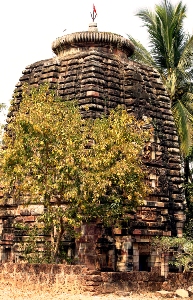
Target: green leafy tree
<point>182,249</point>
<point>79,169</point>
<point>2,111</point>
<point>171,54</point>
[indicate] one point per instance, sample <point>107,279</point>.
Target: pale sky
<point>28,28</point>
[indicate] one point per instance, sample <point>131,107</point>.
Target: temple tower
<point>94,68</point>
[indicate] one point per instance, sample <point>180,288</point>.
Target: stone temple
<point>95,68</point>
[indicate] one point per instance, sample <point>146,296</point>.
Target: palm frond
<point>187,101</point>
<point>141,54</point>
<point>165,32</point>
<point>184,123</point>
<point>186,58</point>
<point>171,53</point>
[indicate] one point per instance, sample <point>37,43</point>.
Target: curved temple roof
<point>92,38</point>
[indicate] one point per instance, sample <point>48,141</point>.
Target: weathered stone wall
<point>68,278</point>
<point>81,279</point>
<point>100,81</point>
<point>93,68</point>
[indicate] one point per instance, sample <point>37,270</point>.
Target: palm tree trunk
<point>186,170</point>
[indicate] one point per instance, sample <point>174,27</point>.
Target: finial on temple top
<point>94,13</point>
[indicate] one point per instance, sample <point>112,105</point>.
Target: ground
<point>9,292</point>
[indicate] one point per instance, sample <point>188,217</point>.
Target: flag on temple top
<point>94,9</point>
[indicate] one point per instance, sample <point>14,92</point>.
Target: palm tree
<point>171,53</point>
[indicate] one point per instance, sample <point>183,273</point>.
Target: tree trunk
<point>187,178</point>
<point>59,237</point>
<point>187,170</point>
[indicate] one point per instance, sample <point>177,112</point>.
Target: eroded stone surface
<point>93,68</point>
